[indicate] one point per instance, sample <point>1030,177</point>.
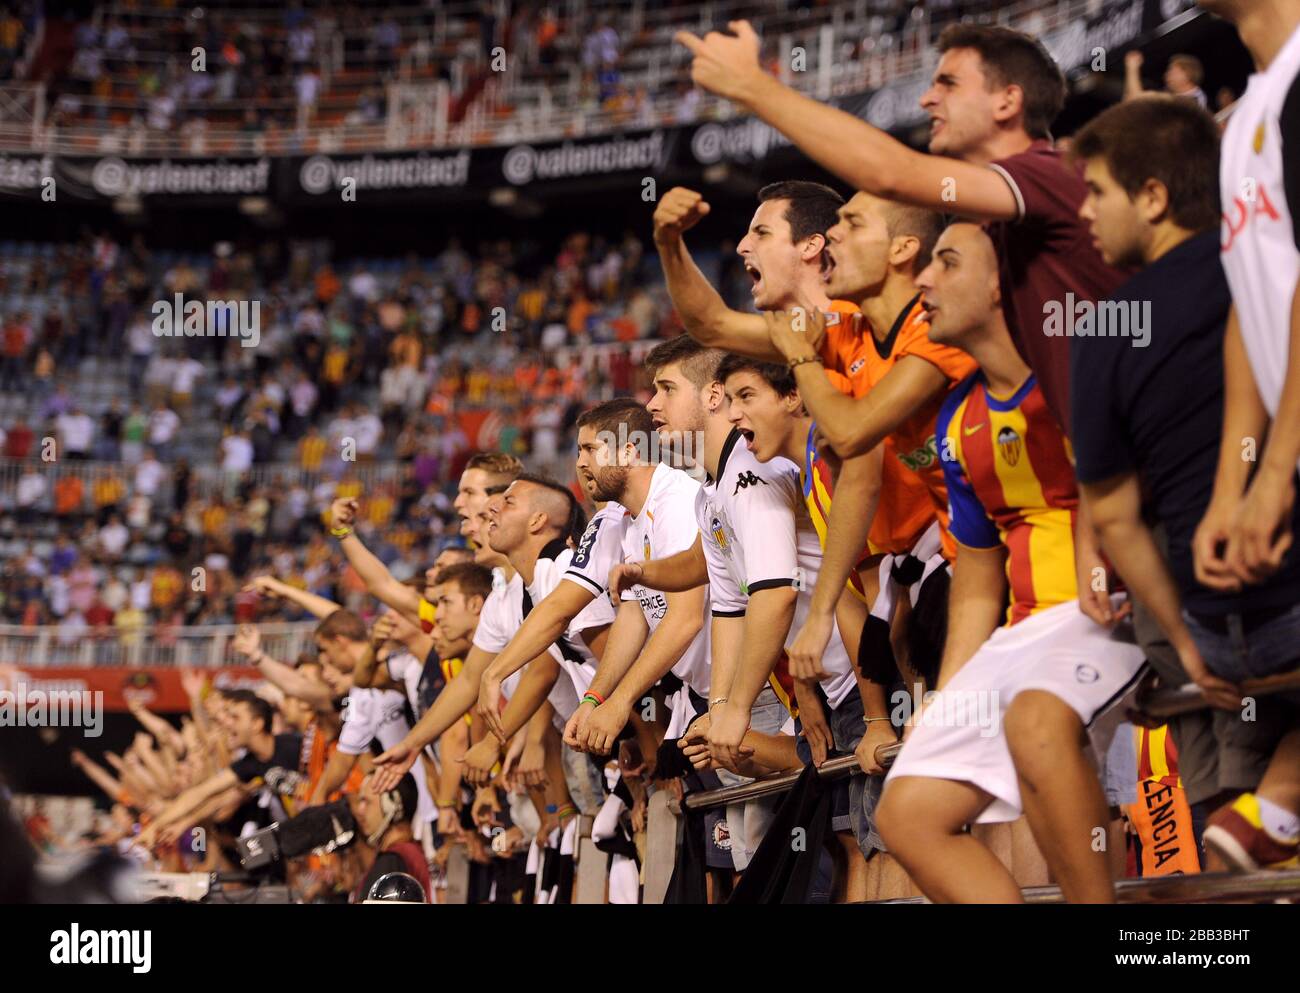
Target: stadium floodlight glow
<point>503,196</point>
<point>254,206</point>
<point>717,173</point>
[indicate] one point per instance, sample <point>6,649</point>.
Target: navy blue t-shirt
<point>1158,410</point>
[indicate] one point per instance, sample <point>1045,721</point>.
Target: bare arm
<point>854,426</point>
<point>379,581</point>
<point>294,683</point>
<point>189,801</point>
<point>676,574</point>
<point>975,605</point>
<point>334,775</point>
<point>704,313</point>
<point>1116,505</point>
<point>1245,422</point>
<point>166,735</point>
<point>546,622</point>
<point>100,776</point>
<point>863,156</point>
<point>681,623</point>
<point>317,606</point>
<point>853,508</point>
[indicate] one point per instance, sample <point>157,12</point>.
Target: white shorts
<point>959,733</point>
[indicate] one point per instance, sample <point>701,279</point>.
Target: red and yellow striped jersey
<point>1011,481</point>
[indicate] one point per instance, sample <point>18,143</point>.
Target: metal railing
<point>547,109</point>
<point>206,481</point>
<point>155,646</point>
<point>663,819</point>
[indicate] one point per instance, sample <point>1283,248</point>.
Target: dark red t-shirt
<point>1044,255</point>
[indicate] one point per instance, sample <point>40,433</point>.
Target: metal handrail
<point>836,768</point>
<point>1161,703</point>
<point>1200,887</point>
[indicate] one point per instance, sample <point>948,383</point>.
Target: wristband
<point>340,532</point>
<point>551,808</point>
<point>803,360</point>
<point>868,720</point>
<point>568,810</point>
<point>716,701</point>
<point>590,697</point>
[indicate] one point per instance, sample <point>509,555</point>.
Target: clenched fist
<point>679,210</point>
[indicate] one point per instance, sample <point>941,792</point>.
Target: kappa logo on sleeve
<point>745,480</point>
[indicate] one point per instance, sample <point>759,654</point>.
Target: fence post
<point>662,828</point>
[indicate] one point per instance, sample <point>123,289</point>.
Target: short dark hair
<point>1014,58</point>
<point>812,207</point>
<point>576,522</point>
<point>777,376</point>
<point>262,710</point>
<point>923,225</point>
<point>342,624</point>
<point>620,413</point>
<point>699,362</point>
<point>1166,138</point>
<point>470,578</point>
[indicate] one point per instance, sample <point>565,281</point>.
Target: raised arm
<point>861,155</point>
<point>166,735</point>
<point>317,606</point>
<point>380,583</point>
<point>100,776</point>
<point>189,801</point>
<point>316,694</point>
<point>704,313</point>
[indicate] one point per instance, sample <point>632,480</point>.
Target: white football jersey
<point>503,614</point>
<point>1258,244</point>
<point>666,526</point>
<point>381,715</point>
<point>755,525</point>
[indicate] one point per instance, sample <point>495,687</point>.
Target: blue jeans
<point>1247,743</point>
<point>748,822</point>
<point>1236,655</point>
<point>863,792</point>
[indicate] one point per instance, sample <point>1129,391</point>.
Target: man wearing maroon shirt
<point>992,100</point>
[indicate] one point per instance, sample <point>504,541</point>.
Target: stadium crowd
<point>1008,436</point>
<point>406,359</point>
